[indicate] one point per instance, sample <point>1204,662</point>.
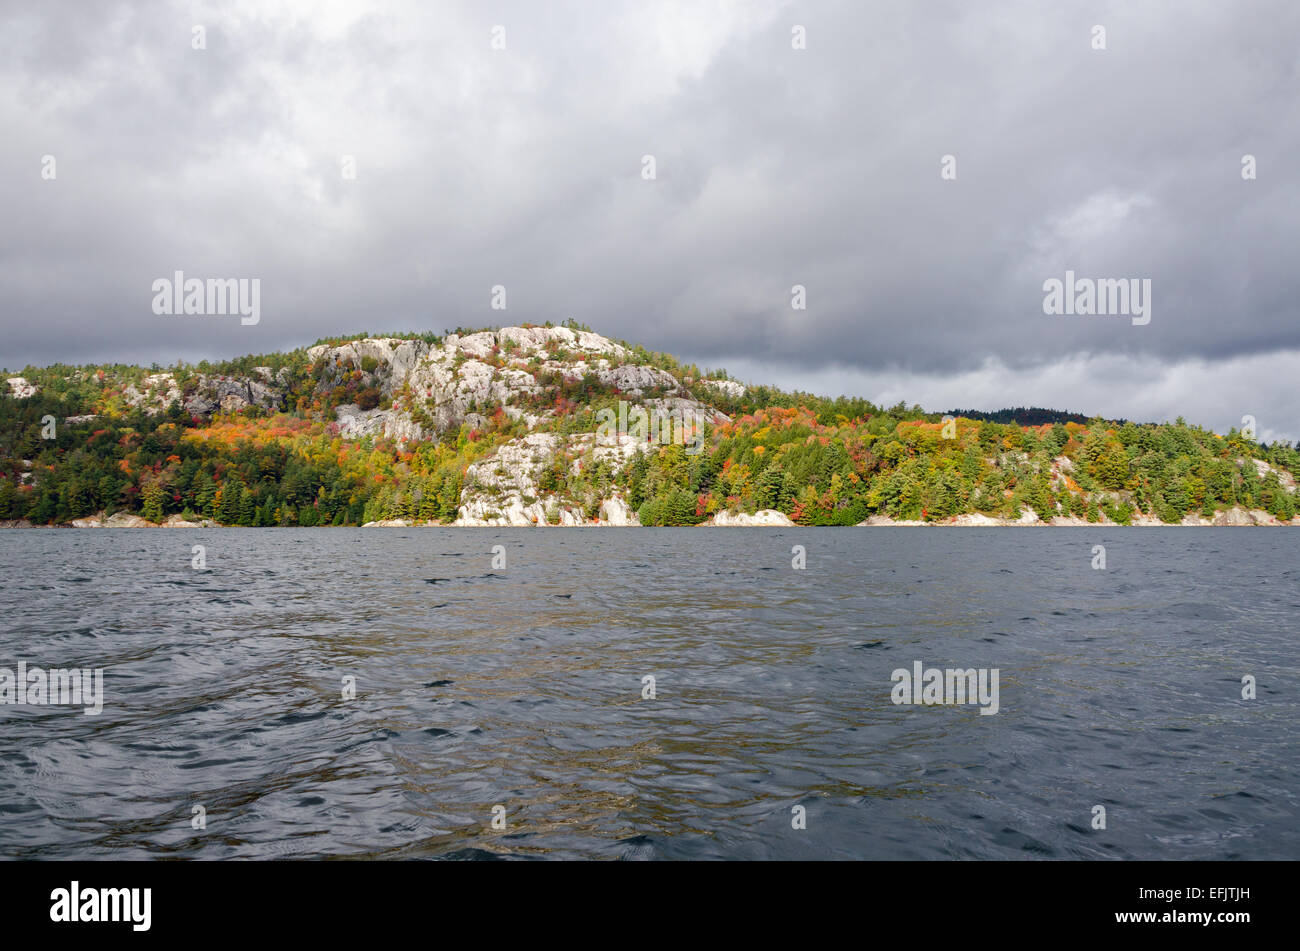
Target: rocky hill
<point>562,426</point>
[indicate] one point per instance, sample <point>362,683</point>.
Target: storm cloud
<point>775,166</point>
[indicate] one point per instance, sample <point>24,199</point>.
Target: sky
<point>920,170</point>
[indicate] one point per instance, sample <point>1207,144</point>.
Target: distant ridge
<point>1025,416</point>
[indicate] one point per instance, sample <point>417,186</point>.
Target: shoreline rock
<point>1230,518</point>
<point>175,521</point>
<point>123,520</point>
<point>614,512</point>
<point>763,518</point>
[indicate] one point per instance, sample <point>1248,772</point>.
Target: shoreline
<point>1229,518</point>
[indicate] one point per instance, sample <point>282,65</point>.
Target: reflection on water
<point>522,687</point>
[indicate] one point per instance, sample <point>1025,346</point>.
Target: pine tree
<point>205,494</point>
<point>154,498</point>
<point>247,507</point>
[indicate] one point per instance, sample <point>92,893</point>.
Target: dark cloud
<point>775,167</point>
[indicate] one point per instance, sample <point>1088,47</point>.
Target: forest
<point>820,461</point>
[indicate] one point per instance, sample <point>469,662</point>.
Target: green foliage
<point>820,461</point>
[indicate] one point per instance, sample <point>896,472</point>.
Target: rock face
<point>435,389</point>
<point>1061,470</point>
<point>1233,516</point>
<point>355,423</point>
<point>1262,469</point>
<point>126,520</point>
<point>207,395</point>
<point>503,488</point>
<point>976,520</point>
<point>510,512</point>
<point>175,521</point>
<point>979,520</point>
<point>19,388</point>
<point>614,511</point>
<point>116,520</point>
<point>393,359</point>
<point>514,469</point>
<point>506,368</point>
<point>728,388</point>
<point>764,518</point>
<point>232,394</point>
<point>157,392</point>
<point>635,380</point>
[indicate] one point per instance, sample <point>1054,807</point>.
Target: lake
<point>409,693</point>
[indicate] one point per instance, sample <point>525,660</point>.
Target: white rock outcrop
<point>19,388</point>
<point>976,520</point>
<point>634,379</point>
<point>156,392</point>
<point>450,383</point>
<point>763,518</point>
<point>116,520</point>
<point>728,388</point>
<point>230,394</point>
<point>355,423</point>
<point>175,521</point>
<point>614,511</point>
<point>1262,469</point>
<point>438,388</point>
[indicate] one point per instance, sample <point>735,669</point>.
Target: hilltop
<point>563,426</point>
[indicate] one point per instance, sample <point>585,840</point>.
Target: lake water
<point>521,686</point>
